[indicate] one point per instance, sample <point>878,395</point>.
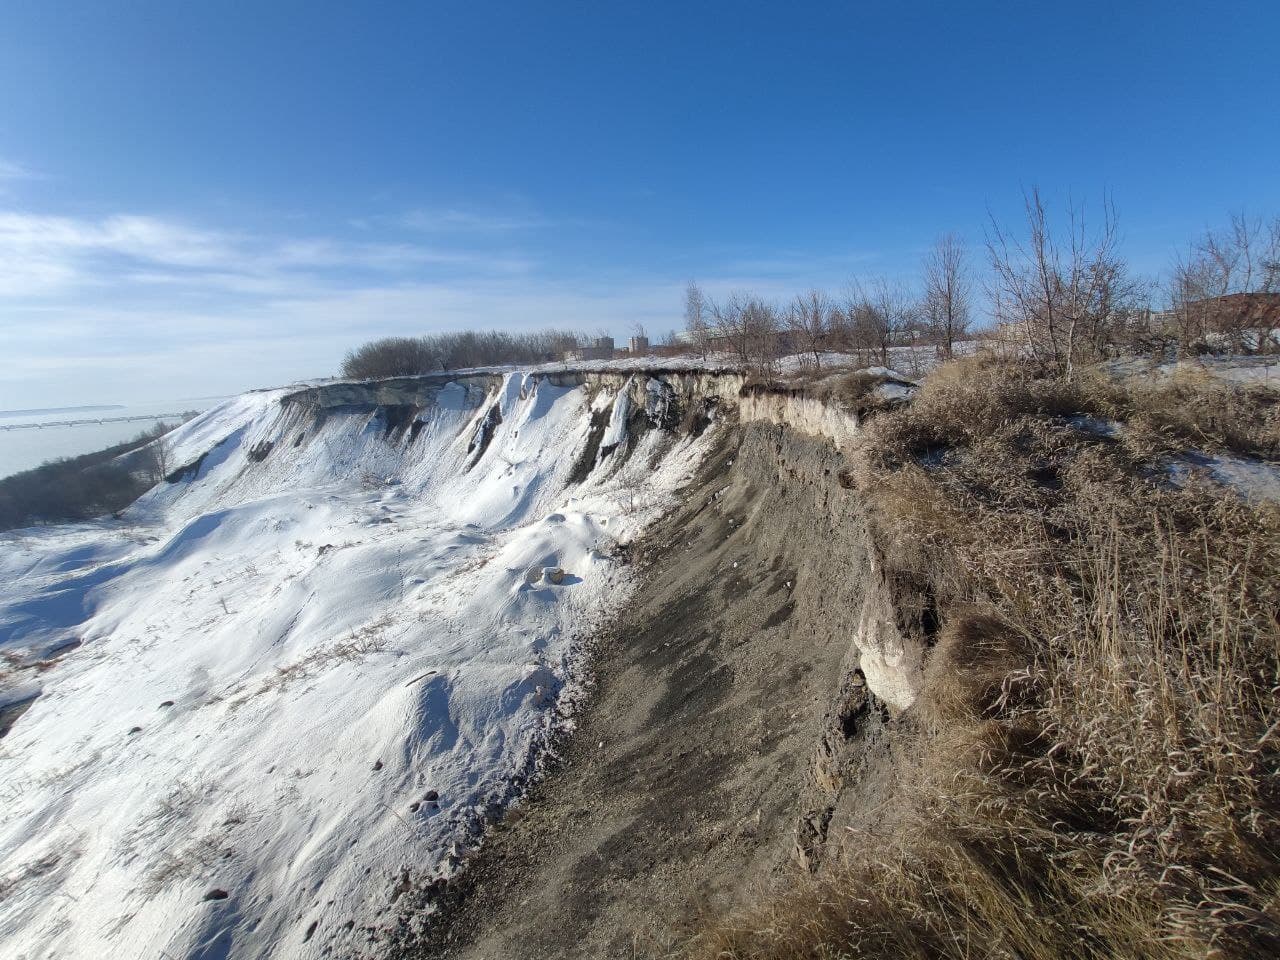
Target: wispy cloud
<point>11,174</point>
<point>15,171</point>
<point>172,347</point>
<point>457,221</point>
<point>135,305</point>
<point>44,255</point>
<point>471,221</point>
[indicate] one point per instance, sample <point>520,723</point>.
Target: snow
<point>283,659</point>
<point>1097,426</point>
<point>1246,370</point>
<point>1256,480</point>
<point>615,432</point>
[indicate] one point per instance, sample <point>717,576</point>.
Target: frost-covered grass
<point>303,680</point>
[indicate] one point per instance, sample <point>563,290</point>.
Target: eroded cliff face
<point>737,721</point>
<point>806,429</point>
<point>367,602</point>
<point>739,703</point>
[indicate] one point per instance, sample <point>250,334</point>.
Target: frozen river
<point>64,432</point>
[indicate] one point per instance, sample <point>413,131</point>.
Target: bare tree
<point>1063,290</point>
<point>946,292</point>
<point>161,458</point>
<point>749,327</point>
<point>810,320</point>
<point>696,318</point>
<point>763,326</point>
<point>878,314</point>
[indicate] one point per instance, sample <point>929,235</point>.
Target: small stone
<point>431,796</point>
<point>133,730</point>
<point>377,765</point>
<point>167,703</point>
<point>216,894</point>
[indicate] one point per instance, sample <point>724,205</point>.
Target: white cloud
<point>47,255</point>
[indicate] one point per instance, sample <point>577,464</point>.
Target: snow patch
<point>1256,480</point>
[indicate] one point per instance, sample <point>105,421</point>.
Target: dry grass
<point>853,391</point>
<point>1094,770</point>
<point>361,644</point>
<point>1192,407</point>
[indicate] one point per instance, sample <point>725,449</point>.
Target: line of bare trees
<point>869,318</point>
<point>1058,292</point>
<point>411,356</point>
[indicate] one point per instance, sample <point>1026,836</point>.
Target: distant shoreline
<point>93,408</point>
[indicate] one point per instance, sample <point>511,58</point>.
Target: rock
<point>533,575</point>
<point>216,894</point>
<point>133,730</point>
<point>167,703</point>
<point>554,575</point>
<point>431,796</point>
<point>377,765</point>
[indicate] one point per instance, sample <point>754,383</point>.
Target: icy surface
<point>298,674</point>
<point>1251,479</point>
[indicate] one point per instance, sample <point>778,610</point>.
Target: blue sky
<point>203,197</point>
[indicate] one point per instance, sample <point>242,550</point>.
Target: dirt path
<point>694,760</point>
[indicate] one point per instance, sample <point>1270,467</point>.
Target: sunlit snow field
<point>298,678</point>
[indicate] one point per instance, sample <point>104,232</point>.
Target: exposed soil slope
<point>726,713</point>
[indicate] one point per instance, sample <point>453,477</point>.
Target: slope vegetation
<point>1091,768</point>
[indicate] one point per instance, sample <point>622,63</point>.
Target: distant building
<point>1249,321</point>
<point>600,348</point>
<point>637,346</point>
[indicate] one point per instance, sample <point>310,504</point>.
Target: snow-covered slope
<point>291,683</point>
